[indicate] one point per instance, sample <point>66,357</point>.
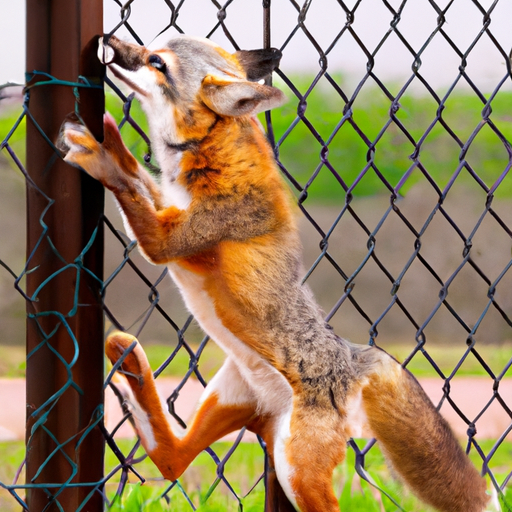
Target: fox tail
<point>418,441</point>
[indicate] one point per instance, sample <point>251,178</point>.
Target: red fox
<point>221,218</point>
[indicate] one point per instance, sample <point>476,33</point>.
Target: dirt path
<point>470,394</point>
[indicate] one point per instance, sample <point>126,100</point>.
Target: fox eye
<point>157,62</point>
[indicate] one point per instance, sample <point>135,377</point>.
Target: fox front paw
<point>79,147</point>
<point>109,162</point>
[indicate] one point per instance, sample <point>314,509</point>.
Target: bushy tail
<point>419,442</point>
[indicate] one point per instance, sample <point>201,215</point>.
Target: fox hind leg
<point>225,406</point>
<point>310,443</point>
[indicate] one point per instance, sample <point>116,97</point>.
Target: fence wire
<point>405,189</point>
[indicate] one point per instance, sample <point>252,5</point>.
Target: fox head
<point>186,85</point>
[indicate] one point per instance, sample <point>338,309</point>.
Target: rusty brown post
<point>60,42</point>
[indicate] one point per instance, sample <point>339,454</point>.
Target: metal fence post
<point>68,391</point>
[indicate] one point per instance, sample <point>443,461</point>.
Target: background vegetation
<point>348,153</point>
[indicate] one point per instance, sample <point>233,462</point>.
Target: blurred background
<point>461,40</point>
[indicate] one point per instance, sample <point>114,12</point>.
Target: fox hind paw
<point>135,363</point>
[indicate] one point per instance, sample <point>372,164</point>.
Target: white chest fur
<point>175,194</point>
<point>271,389</point>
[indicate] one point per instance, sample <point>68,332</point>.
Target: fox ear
<point>235,97</point>
<point>258,64</point>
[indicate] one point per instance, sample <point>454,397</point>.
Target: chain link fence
<point>396,143</point>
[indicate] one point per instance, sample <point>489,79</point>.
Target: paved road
<point>470,394</point>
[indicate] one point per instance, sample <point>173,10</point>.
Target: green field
<point>438,151</point>
<point>390,149</point>
<point>355,494</point>
<point>242,471</point>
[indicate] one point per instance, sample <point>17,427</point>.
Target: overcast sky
<point>324,21</point>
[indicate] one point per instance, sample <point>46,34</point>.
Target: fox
<point>222,219</point>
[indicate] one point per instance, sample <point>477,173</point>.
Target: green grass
<point>12,360</point>
<point>348,153</point>
<point>354,493</point>
<point>242,471</point>
<point>9,117</point>
<point>210,361</point>
<point>447,357</point>
<point>199,482</point>
<point>246,464</point>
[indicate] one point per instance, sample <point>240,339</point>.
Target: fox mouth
<point>120,74</point>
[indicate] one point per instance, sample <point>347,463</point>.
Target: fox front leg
<point>162,233</point>
<point>167,233</point>
<point>112,164</point>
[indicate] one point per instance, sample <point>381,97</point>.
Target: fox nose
<point>112,50</point>
<point>106,53</point>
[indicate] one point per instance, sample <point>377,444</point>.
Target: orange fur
<point>315,448</point>
<point>417,436</point>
